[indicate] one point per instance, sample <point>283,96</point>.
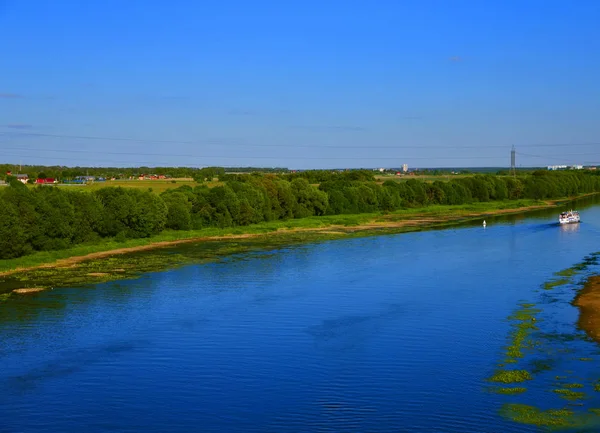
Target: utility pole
<point>512,161</point>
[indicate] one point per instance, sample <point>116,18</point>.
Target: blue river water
<point>381,334</point>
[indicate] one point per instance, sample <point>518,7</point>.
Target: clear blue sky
<point>300,84</point>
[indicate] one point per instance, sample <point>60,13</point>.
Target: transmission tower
<point>513,170</point>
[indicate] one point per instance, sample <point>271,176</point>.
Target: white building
<point>557,167</point>
<point>404,168</point>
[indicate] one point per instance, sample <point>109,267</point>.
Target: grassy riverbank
<point>326,226</point>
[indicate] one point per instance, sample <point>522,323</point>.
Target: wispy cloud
<point>10,96</point>
<point>455,59</point>
<point>19,126</point>
<point>340,128</point>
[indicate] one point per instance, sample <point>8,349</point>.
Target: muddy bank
<point>588,301</point>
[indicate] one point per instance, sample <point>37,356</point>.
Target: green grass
<point>158,186</point>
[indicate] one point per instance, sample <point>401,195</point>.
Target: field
<point>157,186</point>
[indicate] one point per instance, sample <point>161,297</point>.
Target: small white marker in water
<point>484,224</point>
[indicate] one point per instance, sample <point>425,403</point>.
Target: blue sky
<point>309,84</point>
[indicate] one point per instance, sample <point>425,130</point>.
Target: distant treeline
<point>59,172</point>
<point>48,218</point>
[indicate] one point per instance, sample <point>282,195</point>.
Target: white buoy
<point>484,224</point>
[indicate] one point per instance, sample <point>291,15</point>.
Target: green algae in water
<point>510,391</point>
<point>569,394</point>
<point>573,385</point>
<point>511,376</point>
<point>586,359</point>
<point>549,285</point>
<point>4,296</point>
<point>531,415</point>
<point>540,365</point>
<point>569,272</point>
<point>522,329</point>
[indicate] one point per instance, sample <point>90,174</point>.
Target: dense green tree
<point>179,211</point>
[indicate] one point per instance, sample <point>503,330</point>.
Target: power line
<point>387,158</point>
<point>53,150</point>
<point>312,146</point>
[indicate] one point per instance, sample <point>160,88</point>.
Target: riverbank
<point>588,302</point>
<point>331,226</point>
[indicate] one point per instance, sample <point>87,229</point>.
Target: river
<point>392,333</point>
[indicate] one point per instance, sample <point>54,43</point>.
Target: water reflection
<point>569,228</point>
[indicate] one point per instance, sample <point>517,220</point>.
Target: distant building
<point>22,178</point>
<point>47,181</point>
<point>577,167</point>
<point>404,168</point>
<point>557,167</point>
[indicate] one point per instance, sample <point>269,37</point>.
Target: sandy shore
<point>588,301</point>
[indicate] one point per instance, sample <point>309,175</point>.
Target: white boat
<point>569,217</point>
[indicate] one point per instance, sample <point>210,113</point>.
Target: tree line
<point>61,172</point>
<point>49,218</point>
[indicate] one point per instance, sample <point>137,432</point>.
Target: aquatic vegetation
<point>569,394</point>
<point>510,391</point>
<point>525,325</point>
<point>531,415</point>
<point>569,272</point>
<point>4,296</point>
<point>525,334</point>
<point>511,376</point>
<point>549,285</point>
<point>540,365</point>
